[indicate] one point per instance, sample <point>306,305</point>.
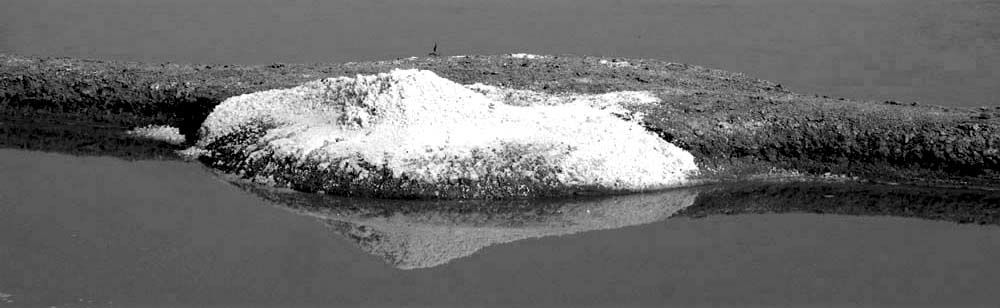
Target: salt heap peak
<point>413,134</point>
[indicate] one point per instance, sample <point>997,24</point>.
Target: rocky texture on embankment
<point>736,126</point>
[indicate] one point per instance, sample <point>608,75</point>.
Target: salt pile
<point>614,102</point>
<point>525,56</point>
<point>164,133</point>
<point>413,134</point>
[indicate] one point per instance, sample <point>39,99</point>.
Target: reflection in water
<point>960,205</point>
<point>162,233</point>
<point>432,238</point>
<point>420,234</point>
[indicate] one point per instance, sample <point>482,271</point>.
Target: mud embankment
<point>737,127</point>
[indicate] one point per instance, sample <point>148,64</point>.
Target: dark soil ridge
<point>738,127</point>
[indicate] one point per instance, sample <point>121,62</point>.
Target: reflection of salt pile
<point>410,133</point>
<point>420,240</point>
<point>413,234</point>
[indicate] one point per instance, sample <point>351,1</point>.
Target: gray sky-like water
<point>931,51</point>
<point>97,232</point>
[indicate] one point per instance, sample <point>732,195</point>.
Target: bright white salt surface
<point>525,56</point>
<point>163,133</point>
<point>415,123</point>
<point>615,63</point>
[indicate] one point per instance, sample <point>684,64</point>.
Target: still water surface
<point>93,231</point>
<point>932,51</point>
<point>85,231</point>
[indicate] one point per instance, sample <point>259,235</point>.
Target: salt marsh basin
<point>122,233</point>
<point>102,230</point>
<point>98,231</point>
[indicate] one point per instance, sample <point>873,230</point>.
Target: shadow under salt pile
<point>413,134</point>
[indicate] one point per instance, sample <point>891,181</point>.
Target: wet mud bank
<point>736,126</point>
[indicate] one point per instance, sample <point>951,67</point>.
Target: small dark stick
<point>434,51</point>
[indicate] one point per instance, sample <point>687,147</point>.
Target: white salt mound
<point>163,133</point>
<point>525,56</point>
<point>411,129</point>
<point>615,63</point>
<point>614,102</point>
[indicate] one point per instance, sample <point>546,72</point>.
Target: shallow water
<point>931,51</point>
<point>92,231</point>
